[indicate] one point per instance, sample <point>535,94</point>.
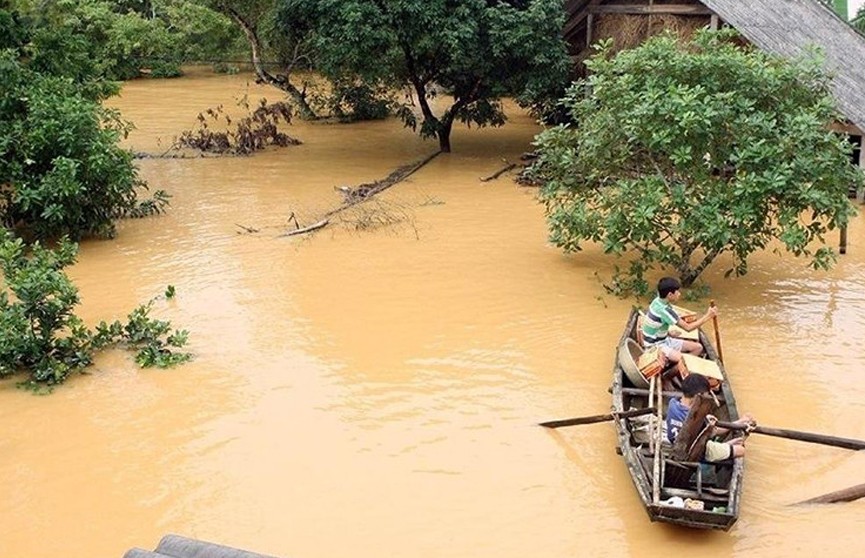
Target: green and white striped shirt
<point>657,321</point>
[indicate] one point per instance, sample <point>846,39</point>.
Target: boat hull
<point>720,503</point>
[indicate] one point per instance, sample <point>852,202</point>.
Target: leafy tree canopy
<point>61,169</point>
<point>684,152</point>
<point>475,50</point>
<point>119,40</point>
<point>198,33</point>
<point>101,38</point>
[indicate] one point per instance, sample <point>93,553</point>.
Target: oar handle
<point>598,418</point>
<point>717,332</point>
<point>848,443</point>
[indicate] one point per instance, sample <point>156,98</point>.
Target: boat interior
<point>691,491</point>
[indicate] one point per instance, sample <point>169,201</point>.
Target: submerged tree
<point>290,44</point>
<point>684,152</point>
<point>476,51</point>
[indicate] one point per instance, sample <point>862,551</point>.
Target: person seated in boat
<point>661,315</point>
<point>677,412</point>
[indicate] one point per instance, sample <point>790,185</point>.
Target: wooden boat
<point>664,484</point>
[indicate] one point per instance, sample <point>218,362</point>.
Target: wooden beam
<point>641,391</point>
<point>573,22</point>
<point>860,195</point>
<point>842,241</point>
<point>692,428</point>
<point>845,127</point>
<point>672,9</point>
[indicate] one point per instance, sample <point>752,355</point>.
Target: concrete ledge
<point>176,546</point>
<point>141,553</point>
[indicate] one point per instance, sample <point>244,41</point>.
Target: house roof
<point>783,27</point>
<point>789,27</point>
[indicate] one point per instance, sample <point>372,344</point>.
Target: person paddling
<point>678,409</point>
<point>661,316</point>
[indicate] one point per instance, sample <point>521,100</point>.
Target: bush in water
<point>41,335</point>
<point>62,171</point>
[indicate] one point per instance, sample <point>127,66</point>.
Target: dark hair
<point>668,285</point>
<point>694,384</point>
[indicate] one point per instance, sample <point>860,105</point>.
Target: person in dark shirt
<point>677,412</point>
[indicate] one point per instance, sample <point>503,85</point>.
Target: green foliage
<point>354,100</point>
<point>39,332</point>
<point>152,339</point>
<point>119,40</point>
<point>61,169</point>
<point>41,336</point>
<point>696,292</point>
<point>73,37</point>
<point>474,50</point>
<point>858,21</point>
<point>200,34</point>
<point>688,151</point>
<point>629,282</point>
<point>13,31</point>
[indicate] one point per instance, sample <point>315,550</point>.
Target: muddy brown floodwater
<point>368,392</point>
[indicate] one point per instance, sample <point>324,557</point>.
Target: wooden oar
<point>656,436</point>
<point>848,443</point>
<point>717,333</point>
<point>597,418</point>
<point>846,495</point>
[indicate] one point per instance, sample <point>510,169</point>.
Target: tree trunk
<point>444,141</point>
<point>687,276</point>
<point>277,80</point>
<point>444,133</point>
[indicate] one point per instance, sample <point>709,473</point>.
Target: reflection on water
<point>376,392</point>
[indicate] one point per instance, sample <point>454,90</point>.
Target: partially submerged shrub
<point>40,334</point>
<point>251,133</point>
<point>62,171</point>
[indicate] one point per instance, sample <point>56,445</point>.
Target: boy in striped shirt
<point>660,316</point>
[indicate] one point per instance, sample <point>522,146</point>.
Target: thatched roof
<point>788,27</point>
<point>783,27</point>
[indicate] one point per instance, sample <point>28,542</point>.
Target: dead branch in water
<point>313,227</point>
<point>362,192</point>
<point>352,196</point>
<point>167,154</point>
<point>247,230</point>
<point>498,173</point>
<point>378,214</point>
